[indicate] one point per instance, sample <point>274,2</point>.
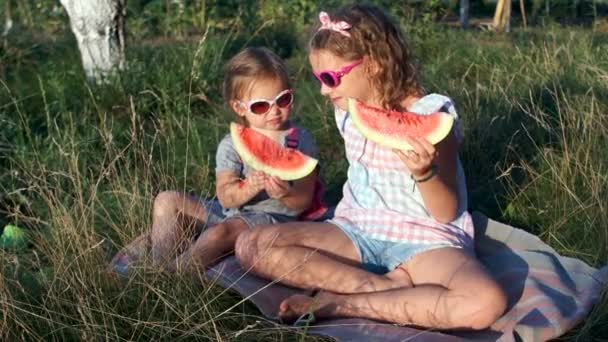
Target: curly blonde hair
<point>375,35</point>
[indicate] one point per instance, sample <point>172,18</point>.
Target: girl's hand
<point>276,188</point>
<point>420,160</point>
<point>255,181</point>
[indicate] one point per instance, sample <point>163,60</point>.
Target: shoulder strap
<point>293,137</point>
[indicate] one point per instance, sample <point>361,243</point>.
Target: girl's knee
<point>244,248</point>
<point>251,244</point>
<point>496,301</point>
<point>166,203</point>
<point>486,305</point>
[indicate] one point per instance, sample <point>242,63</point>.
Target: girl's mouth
<point>275,121</point>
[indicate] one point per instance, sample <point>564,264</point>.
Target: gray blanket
<point>548,293</point>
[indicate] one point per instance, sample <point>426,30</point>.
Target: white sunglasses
<point>262,106</point>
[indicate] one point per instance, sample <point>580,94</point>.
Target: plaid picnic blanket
<point>548,293</point>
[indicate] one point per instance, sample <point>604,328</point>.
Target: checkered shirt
<point>381,200</point>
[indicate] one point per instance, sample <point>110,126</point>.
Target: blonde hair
<point>375,35</point>
<point>249,65</point>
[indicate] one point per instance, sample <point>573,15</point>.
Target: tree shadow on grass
<point>500,139</point>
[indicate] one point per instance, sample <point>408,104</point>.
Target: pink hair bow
<point>339,26</point>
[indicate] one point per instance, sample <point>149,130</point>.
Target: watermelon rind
<point>436,135</point>
<point>256,163</point>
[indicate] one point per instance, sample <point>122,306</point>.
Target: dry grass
<point>79,167</point>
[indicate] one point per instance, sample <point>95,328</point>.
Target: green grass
<point>80,165</point>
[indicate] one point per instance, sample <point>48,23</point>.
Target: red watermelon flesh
<point>265,154</point>
<point>390,128</point>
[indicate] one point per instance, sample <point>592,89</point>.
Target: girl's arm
<point>298,196</point>
<point>440,192</point>
<point>234,192</point>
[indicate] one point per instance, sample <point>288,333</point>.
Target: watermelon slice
<point>264,154</point>
<point>389,128</point>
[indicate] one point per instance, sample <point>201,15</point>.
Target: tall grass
<point>80,165</point>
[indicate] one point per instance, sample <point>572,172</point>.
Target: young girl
<point>257,88</point>
<point>400,246</point>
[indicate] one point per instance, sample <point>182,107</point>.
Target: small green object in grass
<point>13,237</point>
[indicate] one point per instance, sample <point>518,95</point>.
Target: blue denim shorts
<point>379,256</point>
<point>216,215</point>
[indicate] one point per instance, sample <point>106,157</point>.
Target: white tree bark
<point>98,26</point>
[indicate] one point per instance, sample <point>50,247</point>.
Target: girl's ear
<point>371,66</point>
<point>237,108</point>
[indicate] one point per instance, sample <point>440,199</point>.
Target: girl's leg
<point>451,291</point>
<point>130,254</point>
<point>175,219</point>
<point>309,255</point>
<point>213,243</point>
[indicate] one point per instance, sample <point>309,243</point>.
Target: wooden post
<point>506,18</point>
<point>502,16</point>
<point>522,8</point>
<point>498,13</point>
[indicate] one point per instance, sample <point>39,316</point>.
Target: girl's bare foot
<point>297,305</point>
<point>130,254</point>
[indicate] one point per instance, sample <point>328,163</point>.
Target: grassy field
<point>80,165</point>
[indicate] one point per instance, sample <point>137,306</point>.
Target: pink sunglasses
<point>262,106</point>
<point>332,78</point>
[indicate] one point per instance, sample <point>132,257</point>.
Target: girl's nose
<point>325,90</point>
<point>274,110</point>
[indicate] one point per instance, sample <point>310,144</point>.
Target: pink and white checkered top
<point>381,200</point>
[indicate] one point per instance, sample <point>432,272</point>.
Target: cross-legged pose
<point>194,233</point>
<point>401,245</point>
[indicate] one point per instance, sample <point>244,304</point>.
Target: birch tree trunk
<point>98,26</point>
